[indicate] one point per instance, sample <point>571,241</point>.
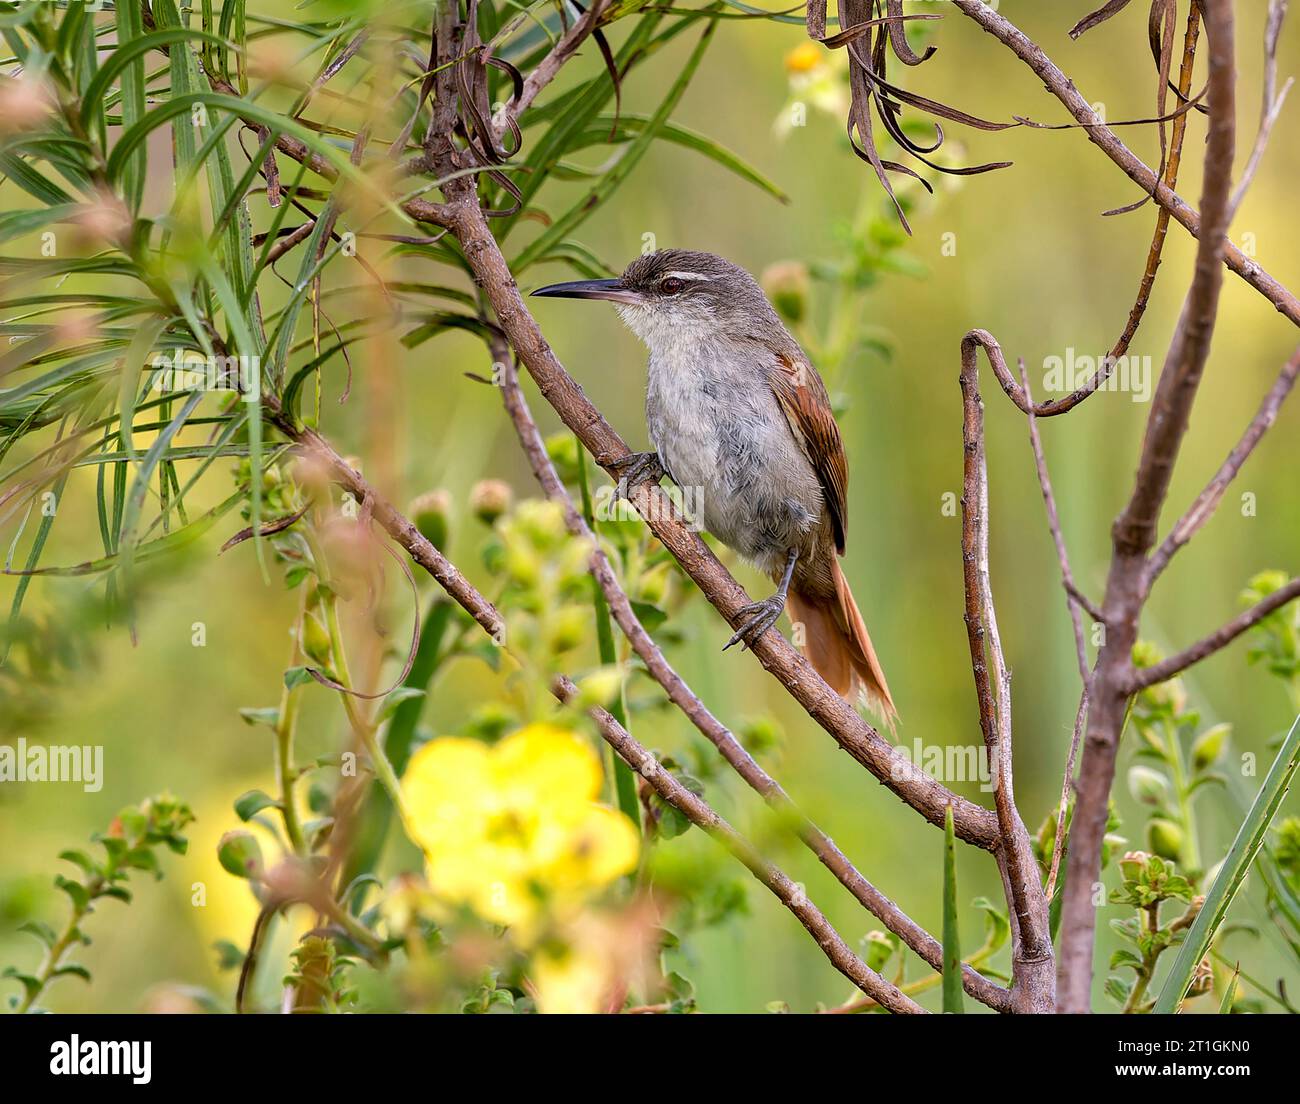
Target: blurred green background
<point>1034,263</point>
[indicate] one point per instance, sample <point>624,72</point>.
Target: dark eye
<point>671,285</point>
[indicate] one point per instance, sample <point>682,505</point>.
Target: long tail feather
<point>839,648</point>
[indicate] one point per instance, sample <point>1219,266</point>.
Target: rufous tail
<point>837,645</point>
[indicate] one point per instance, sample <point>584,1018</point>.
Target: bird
<point>736,411</point>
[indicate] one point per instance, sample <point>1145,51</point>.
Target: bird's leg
<point>634,469</point>
<point>763,615</point>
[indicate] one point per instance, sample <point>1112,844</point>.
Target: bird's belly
<point>740,472</point>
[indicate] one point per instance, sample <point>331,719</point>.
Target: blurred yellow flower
<point>803,58</point>
<point>514,831</point>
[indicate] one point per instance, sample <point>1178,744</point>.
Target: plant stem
<point>624,782</point>
<point>54,954</point>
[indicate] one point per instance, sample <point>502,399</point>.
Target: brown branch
<point>680,694</point>
<point>697,811</point>
<point>973,823</point>
<point>1134,531</point>
<point>1060,86</point>
<point>546,70</point>
<point>1208,500</point>
<point>1166,669</point>
<point>1032,964</point>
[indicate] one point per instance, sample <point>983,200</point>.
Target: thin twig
<point>1217,640</point>
<point>1032,961</point>
<point>1208,500</point>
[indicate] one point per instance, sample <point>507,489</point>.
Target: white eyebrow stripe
<point>680,275</point>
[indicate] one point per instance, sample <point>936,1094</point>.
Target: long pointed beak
<point>613,290</point>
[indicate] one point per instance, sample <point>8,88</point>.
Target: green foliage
<point>130,844</point>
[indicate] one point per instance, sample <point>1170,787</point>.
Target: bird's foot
<point>759,617</point>
<point>634,469</point>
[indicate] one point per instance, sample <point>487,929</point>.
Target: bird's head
<point>678,294</point>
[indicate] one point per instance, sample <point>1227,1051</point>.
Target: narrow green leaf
<point>952,995</point>
<point>1237,863</point>
<point>580,211</point>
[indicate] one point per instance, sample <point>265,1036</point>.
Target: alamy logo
<point>53,763</point>
<point>1126,373</point>
<point>103,1058</point>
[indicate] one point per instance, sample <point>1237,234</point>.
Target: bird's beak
<point>613,290</point>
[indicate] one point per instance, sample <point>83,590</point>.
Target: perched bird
<point>735,409</point>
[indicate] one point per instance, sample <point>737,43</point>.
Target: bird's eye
<point>671,285</point>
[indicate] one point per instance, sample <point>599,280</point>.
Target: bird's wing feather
<point>807,407</point>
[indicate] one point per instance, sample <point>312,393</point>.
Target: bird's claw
<point>760,616</point>
<point>634,469</point>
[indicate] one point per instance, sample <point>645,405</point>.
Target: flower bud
<point>878,949</point>
<point>1148,786</point>
<point>431,512</point>
<point>787,286</point>
<point>315,641</point>
<point>1208,747</point>
<point>240,854</point>
<point>1133,863</point>
<point>567,628</point>
<point>563,449</point>
<point>1165,838</point>
<point>489,499</point>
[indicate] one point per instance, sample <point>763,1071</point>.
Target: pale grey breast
<point>717,426</point>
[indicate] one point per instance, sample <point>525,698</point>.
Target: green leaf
<point>580,211</point>
<point>248,805</point>
<point>75,890</point>
<point>693,140</point>
<point>401,694</point>
<point>269,717</point>
<point>296,676</point>
<point>72,969</point>
<point>952,995</point>
<point>130,27</point>
<point>41,931</point>
<point>1250,838</point>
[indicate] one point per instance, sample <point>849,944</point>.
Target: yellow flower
<point>803,58</point>
<point>569,981</point>
<point>514,830</point>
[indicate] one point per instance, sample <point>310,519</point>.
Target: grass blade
<point>952,996</point>
<point>1250,838</point>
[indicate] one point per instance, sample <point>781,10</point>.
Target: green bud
<point>1165,838</point>
<point>787,286</point>
<point>563,449</point>
<point>1132,864</point>
<point>566,628</point>
<point>489,499</point>
<point>315,640</point>
<point>879,947</point>
<point>431,513</point>
<point>601,687</point>
<point>1208,747</point>
<point>1148,786</point>
<point>1146,654</point>
<point>653,585</point>
<point>240,854</point>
